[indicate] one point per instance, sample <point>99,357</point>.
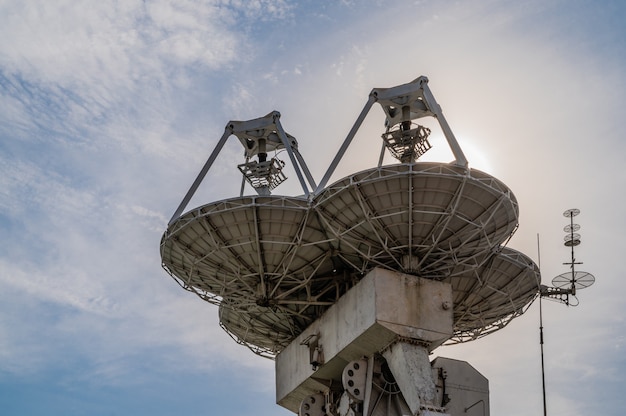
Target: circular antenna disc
<point>415,217</point>
<point>572,237</point>
<point>571,212</point>
<point>263,330</point>
<point>580,280</point>
<point>248,248</point>
<point>571,228</point>
<point>487,296</point>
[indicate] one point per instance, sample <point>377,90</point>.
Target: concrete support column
<point>411,368</point>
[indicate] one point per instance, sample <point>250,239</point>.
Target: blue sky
<point>109,109</point>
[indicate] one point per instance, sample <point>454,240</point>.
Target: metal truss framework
<point>274,264</point>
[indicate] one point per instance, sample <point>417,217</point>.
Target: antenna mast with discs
<point>564,286</point>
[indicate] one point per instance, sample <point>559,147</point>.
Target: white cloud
<point>261,9</point>
<point>114,42</point>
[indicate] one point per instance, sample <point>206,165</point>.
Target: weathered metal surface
<point>382,308</point>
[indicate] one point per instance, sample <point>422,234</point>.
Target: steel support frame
<point>270,121</point>
<point>418,89</point>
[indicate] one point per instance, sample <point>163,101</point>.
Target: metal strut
<point>258,136</point>
<point>401,104</point>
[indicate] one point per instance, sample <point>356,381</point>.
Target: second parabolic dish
<point>418,218</point>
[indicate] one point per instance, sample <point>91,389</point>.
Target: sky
<point>109,109</point>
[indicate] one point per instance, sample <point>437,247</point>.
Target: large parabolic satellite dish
<point>274,264</point>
